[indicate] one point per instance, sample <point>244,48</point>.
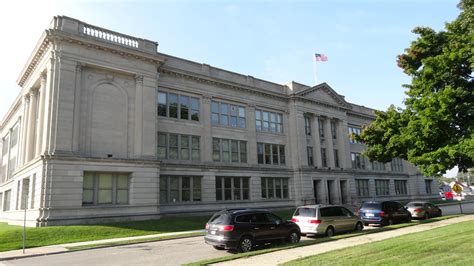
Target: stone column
<point>317,141</point>
<point>138,117</point>
<point>24,128</point>
<point>252,135</point>
<point>30,137</point>
<point>341,143</point>
<point>329,143</point>
<point>206,139</point>
<point>77,109</point>
<point>39,126</point>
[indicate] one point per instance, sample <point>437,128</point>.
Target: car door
<point>277,230</point>
<point>348,219</point>
<point>261,227</point>
<point>401,212</point>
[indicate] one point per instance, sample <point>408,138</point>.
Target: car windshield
<point>415,204</point>
<point>371,206</point>
<point>305,212</point>
<point>219,218</point>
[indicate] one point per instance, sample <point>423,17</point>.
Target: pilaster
<point>30,148</point>
<point>252,134</point>
<point>138,140</point>
<point>39,127</point>
<point>206,139</point>
<point>329,143</point>
<point>77,108</point>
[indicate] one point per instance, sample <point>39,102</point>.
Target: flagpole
<point>315,74</point>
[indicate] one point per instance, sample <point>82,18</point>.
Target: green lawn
<point>449,245</point>
<point>10,236</point>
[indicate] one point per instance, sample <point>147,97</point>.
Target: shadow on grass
<point>263,250</point>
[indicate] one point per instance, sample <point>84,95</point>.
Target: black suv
<point>383,213</point>
<point>243,229</point>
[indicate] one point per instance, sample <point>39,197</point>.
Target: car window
<point>305,212</point>
<point>371,205</point>
<point>259,218</point>
<point>219,219</point>
<point>399,206</point>
<point>414,204</point>
<point>272,218</point>
<point>388,206</point>
<point>346,212</point>
<point>326,212</point>
<point>336,211</point>
<point>246,218</point>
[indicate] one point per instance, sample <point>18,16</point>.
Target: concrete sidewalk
<point>56,249</point>
<point>279,257</point>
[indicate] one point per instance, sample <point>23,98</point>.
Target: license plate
<point>369,215</point>
<point>213,232</point>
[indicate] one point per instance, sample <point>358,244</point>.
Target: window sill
<point>171,119</point>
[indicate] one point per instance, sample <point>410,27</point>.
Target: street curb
<point>91,248</point>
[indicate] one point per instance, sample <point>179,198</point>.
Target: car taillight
<point>314,221</point>
<point>207,226</point>
<point>226,228</point>
<point>418,210</point>
<point>294,220</point>
<point>382,214</point>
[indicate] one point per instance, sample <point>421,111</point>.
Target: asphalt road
<point>168,252</point>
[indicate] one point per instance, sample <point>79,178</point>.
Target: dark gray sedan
<point>423,209</point>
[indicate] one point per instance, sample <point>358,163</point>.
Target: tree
<point>435,129</point>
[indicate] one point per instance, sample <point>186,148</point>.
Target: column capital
<point>139,79</point>
<point>79,66</point>
<point>207,98</point>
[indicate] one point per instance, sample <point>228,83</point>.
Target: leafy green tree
<point>435,129</point>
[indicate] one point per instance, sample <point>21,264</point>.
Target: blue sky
<point>271,40</point>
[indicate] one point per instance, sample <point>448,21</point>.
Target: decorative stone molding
<point>139,80</point>
<point>207,98</point>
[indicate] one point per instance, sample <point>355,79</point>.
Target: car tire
<point>440,213</point>
<point>330,231</point>
<point>359,227</point>
<point>219,248</point>
<point>389,222</point>
<point>245,244</point>
<point>366,224</point>
<point>294,237</point>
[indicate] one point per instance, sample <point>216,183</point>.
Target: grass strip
<point>316,241</point>
<point>448,245</point>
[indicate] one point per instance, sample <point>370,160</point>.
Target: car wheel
<point>366,224</point>
<point>219,248</point>
<point>409,219</point>
<point>359,226</point>
<point>426,216</point>
<point>390,221</point>
<point>245,244</point>
<point>293,237</point>
<point>330,231</point>
<point>440,213</point>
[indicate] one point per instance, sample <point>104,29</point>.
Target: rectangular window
<point>5,145</point>
<point>232,188</point>
<point>358,161</point>
<point>336,159</point>
<point>378,166</point>
<point>7,200</point>
<point>362,187</point>
<point>382,187</point>
<point>175,189</point>
<point>354,131</point>
<point>397,165</point>
<point>178,106</point>
<point>274,188</point>
<point>178,147</point>
<point>105,188</point>
<point>229,150</point>
<point>333,130</point>
<point>324,159</point>
<point>225,114</point>
<point>428,186</point>
<point>307,125</point>
<point>401,187</point>
<point>310,156</point>
<point>270,154</point>
<point>321,128</point>
<point>14,137</point>
<point>268,121</point>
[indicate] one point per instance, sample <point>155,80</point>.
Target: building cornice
<point>219,83</point>
<point>327,89</point>
<point>11,112</point>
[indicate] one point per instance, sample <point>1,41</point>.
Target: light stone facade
<point>81,142</point>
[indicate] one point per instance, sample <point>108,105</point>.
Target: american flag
<point>320,57</point>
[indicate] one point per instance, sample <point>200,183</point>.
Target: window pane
<point>243,152</point>
<point>105,196</point>
<point>264,187</point>
<point>245,188</point>
<point>278,188</point>
<point>225,150</point>
<point>233,121</point>
<point>105,181</point>
<point>161,103</point>
<point>275,154</point>
<point>122,181</point>
<point>87,196</point>
<point>215,107</point>
<point>224,120</point>
<point>88,181</point>
<point>282,155</point>
<point>285,188</point>
<point>196,189</point>
<point>235,151</point>
<point>195,103</point>
<point>237,188</point>
<point>184,104</point>
<point>122,196</point>
<point>215,118</point>
<point>216,154</point>
<point>218,188</point>
<point>268,154</point>
<point>227,188</point>
<point>173,102</point>
<point>270,188</point>
<point>174,189</point>
<point>184,147</point>
<point>241,111</point>
<point>260,153</point>
<point>173,150</point>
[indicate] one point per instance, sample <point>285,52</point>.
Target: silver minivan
<point>326,219</point>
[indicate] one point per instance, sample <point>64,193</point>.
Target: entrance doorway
<point>330,192</point>
<point>343,186</point>
<point>316,191</point>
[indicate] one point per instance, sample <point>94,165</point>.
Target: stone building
<point>107,128</point>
